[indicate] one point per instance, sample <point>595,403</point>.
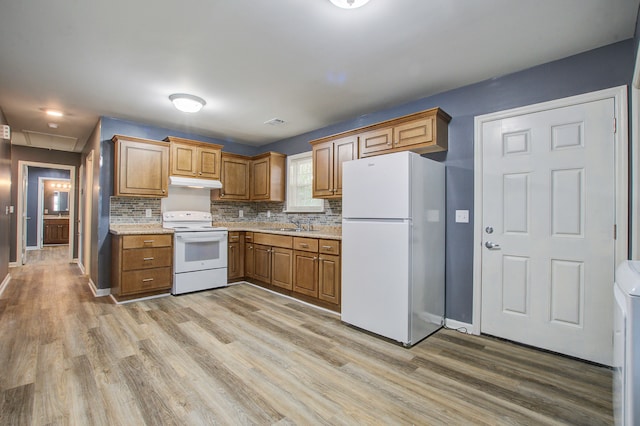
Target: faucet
<point>296,222</point>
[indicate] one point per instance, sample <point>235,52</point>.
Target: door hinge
<point>615,125</point>
<point>615,232</point>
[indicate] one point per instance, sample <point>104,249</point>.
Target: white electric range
<point>200,251</point>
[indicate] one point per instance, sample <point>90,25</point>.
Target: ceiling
<point>306,62</point>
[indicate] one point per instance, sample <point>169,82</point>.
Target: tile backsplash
<point>258,212</point>
<point>133,210</point>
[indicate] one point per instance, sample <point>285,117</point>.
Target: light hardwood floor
<point>241,355</point>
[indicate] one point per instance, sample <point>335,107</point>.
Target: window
<point>300,183</point>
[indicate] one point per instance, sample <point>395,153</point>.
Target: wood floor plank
<point>242,355</point>
<point>16,405</point>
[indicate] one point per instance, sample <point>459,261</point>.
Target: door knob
<point>492,246</point>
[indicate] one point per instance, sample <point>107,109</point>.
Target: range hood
<point>194,182</point>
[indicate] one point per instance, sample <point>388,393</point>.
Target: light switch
<point>148,212</point>
<point>240,213</point>
<point>462,216</point>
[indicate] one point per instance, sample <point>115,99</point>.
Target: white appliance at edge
<point>393,245</point>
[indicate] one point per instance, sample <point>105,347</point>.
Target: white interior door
<point>548,215</point>
<point>87,197</point>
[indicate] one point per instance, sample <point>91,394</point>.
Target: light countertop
<point>319,231</point>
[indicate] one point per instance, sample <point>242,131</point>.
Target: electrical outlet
<point>268,213</point>
<point>462,216</point>
<point>147,212</point>
<point>240,213</point>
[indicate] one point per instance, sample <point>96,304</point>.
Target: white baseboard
<point>138,300</point>
<point>98,292</point>
<point>13,264</point>
<point>290,298</point>
<point>81,266</point>
<point>460,326</point>
<point>5,283</point>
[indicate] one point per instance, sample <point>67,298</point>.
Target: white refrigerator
<point>393,245</point>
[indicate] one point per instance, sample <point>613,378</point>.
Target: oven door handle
<point>202,239</point>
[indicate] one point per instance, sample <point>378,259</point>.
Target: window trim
<point>299,209</point>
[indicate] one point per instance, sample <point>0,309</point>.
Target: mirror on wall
<point>56,197</point>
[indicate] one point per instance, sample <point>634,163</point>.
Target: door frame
<point>619,95</point>
<point>22,166</point>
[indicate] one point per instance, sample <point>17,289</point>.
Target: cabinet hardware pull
<point>315,258</point>
<point>146,280</point>
<point>327,247</point>
<point>148,241</point>
<point>148,258</point>
<point>304,245</point>
<point>250,248</point>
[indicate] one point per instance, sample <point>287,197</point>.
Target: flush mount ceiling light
<point>187,103</point>
<point>349,4</point>
<point>54,113</point>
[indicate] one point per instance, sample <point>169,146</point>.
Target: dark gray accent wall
<point>606,67</point>
<point>5,202</point>
<point>32,198</point>
<point>24,153</point>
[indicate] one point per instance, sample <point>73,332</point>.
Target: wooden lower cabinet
<point>329,276</point>
<point>56,231</point>
<point>273,265</point>
<point>305,268</point>
<point>141,265</point>
<point>305,273</point>
<point>235,256</point>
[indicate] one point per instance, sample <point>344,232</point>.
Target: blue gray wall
<point>597,69</point>
<point>32,198</point>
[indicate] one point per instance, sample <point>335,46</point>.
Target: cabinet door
<point>282,267</point>
<point>235,179</point>
<point>183,160</point>
<point>260,179</point>
<point>305,273</point>
<point>375,141</point>
<point>345,149</point>
<point>329,278</point>
<point>234,269</point>
<point>142,169</point>
<point>249,260</point>
<point>262,263</point>
<point>323,170</point>
<point>208,163</point>
<point>414,132</point>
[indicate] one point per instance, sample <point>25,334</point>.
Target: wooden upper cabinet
<point>141,167</point>
<point>259,178</point>
<point>422,132</point>
<point>267,177</point>
<point>376,141</point>
<point>328,158</point>
<point>194,159</point>
<point>234,176</point>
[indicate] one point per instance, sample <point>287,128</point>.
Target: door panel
<point>548,229</point>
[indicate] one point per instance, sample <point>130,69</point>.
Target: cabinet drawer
<point>273,240</point>
<point>146,280</point>
<point>305,244</point>
<point>146,258</point>
<point>234,236</point>
<point>329,247</point>
<point>151,240</point>
<point>248,237</point>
